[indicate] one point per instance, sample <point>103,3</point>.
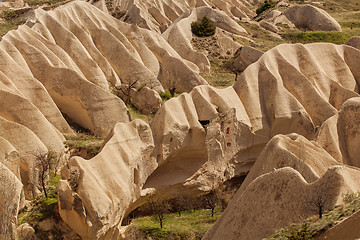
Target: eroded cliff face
<point>95,194</point>
<point>294,108</point>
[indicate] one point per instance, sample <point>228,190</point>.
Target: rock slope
<point>159,15</point>
<point>290,89</point>
<point>95,194</point>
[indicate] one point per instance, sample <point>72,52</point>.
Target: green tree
<point>205,28</point>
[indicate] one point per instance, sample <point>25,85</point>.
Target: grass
<point>91,143</point>
<point>136,114</point>
<point>311,37</point>
<point>313,226</point>
<point>11,21</point>
<point>190,225</point>
<point>220,76</point>
<point>41,208</point>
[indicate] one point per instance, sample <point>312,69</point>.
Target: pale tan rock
<point>25,232</point>
<point>279,198</point>
<point>340,135</point>
<point>179,34</point>
<point>354,42</point>
<point>158,15</point>
<point>95,194</point>
<point>10,157</point>
<point>247,56</point>
<point>279,93</point>
<point>145,99</point>
<point>10,196</point>
<point>312,18</point>
<point>269,26</point>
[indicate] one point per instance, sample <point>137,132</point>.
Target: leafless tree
<point>158,206</point>
<point>43,163</point>
<point>127,90</point>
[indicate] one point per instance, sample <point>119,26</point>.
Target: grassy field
<point>190,225</point>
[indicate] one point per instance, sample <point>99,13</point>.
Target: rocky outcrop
<point>280,93</point>
<point>311,18</point>
<point>354,42</point>
<point>340,134</point>
<point>158,15</point>
<point>279,198</point>
<point>10,196</point>
<point>95,194</point>
<point>247,56</point>
<point>179,34</point>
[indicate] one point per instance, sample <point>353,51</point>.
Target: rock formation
<point>10,196</point>
<point>95,194</point>
<point>279,198</point>
<point>311,18</point>
<point>179,34</point>
<point>159,15</point>
<point>290,89</point>
<point>354,42</point>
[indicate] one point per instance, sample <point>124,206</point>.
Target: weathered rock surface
<point>354,42</point>
<point>340,134</point>
<point>290,89</point>
<point>25,232</point>
<point>10,196</point>
<point>247,56</point>
<point>279,198</point>
<point>95,194</point>
<point>158,15</point>
<point>146,99</point>
<point>179,34</point>
<point>311,18</point>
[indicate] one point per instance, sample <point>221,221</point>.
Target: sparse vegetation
<point>190,225</point>
<point>42,207</point>
<point>84,144</point>
<point>11,21</point>
<point>265,6</point>
<point>205,28</point>
<point>313,226</point>
<point>310,37</point>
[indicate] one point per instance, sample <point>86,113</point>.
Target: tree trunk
<point>212,212</point>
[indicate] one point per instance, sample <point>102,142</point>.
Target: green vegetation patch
<point>268,4</point>
<point>11,21</point>
<point>190,225</point>
<point>310,37</point>
<point>41,208</point>
<point>205,28</point>
<point>313,226</point>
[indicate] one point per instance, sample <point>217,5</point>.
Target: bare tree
<point>43,163</point>
<point>212,200</point>
<point>127,90</point>
<point>158,206</point>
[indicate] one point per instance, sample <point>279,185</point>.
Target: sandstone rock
<point>179,34</point>
<point>340,135</point>
<point>145,99</point>
<point>312,18</point>
<point>25,232</point>
<point>95,194</point>
<point>10,196</point>
<point>247,56</point>
<point>277,199</point>
<point>279,93</point>
<point>158,15</point>
<point>269,26</point>
<point>354,42</point>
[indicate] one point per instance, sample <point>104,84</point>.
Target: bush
<point>205,28</point>
<point>267,5</point>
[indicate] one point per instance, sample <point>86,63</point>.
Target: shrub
<point>266,5</point>
<point>205,28</point>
